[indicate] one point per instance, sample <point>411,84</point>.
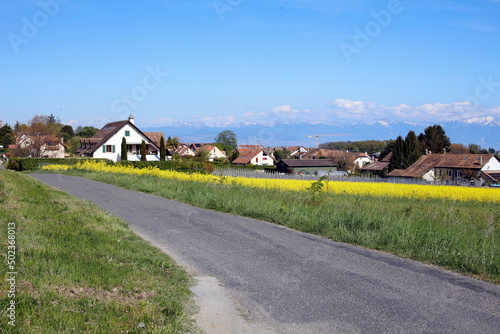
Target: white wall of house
<point>493,164</point>
<point>215,153</point>
<point>58,154</point>
<point>361,161</point>
<point>133,138</point>
<point>429,176</point>
<point>262,160</point>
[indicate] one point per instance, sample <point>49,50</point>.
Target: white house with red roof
<point>213,152</point>
<point>254,157</point>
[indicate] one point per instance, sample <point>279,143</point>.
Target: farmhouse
<point>184,151</point>
<point>451,168</point>
<point>305,167</point>
<point>44,146</point>
<point>107,142</point>
<point>213,152</point>
<point>254,157</point>
<point>378,168</point>
<point>358,159</point>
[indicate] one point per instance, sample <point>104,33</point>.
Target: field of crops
<point>349,188</point>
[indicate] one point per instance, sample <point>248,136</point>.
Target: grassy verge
<point>81,270</point>
<point>464,237</point>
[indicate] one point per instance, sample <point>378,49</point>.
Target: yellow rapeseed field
<point>350,188</point>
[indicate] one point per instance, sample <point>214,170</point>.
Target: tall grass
<point>463,236</point>
<point>81,270</point>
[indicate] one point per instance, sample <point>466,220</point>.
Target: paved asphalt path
<point>298,283</point>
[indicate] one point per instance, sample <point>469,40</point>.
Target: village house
<point>184,151</point>
<point>297,151</point>
<point>255,157</point>
<point>106,143</point>
<point>378,168</point>
<point>195,147</point>
<point>306,167</point>
<point>213,152</point>
<point>451,168</point>
<point>43,146</point>
<point>359,159</point>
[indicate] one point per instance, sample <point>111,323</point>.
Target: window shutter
<point>103,148</point>
<point>113,148</point>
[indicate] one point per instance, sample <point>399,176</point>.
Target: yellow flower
<point>334,187</point>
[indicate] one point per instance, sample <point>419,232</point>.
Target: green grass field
<point>464,237</point>
<point>81,270</point>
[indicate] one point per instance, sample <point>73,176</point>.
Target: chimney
<point>444,151</point>
<point>131,119</point>
<point>426,152</point>
<point>480,161</point>
<point>62,140</point>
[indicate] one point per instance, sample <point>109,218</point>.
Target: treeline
<point>408,150</point>
<point>368,146</point>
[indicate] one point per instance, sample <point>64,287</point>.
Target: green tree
<point>6,135</point>
<point>163,150</point>
<point>280,155</point>
<point>234,155</point>
<point>68,129</point>
<point>397,159</point>
<point>144,151</point>
<point>228,139</point>
<point>87,132</point>
<point>124,150</point>
<point>434,139</point>
<point>476,149</point>
<point>412,150</point>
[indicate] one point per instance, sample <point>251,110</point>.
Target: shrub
<point>34,163</point>
<point>13,163</point>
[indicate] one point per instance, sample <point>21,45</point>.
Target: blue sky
<point>227,61</point>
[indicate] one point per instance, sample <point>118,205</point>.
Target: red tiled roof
<point>396,173</point>
<point>246,156</point>
<point>387,158</point>
<point>495,175</point>
<point>155,137</point>
<point>376,166</point>
<point>454,161</point>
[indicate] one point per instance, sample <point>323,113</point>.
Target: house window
<point>458,173</point>
<point>109,148</point>
<point>256,159</point>
<point>129,148</point>
<point>127,133</point>
<point>449,173</point>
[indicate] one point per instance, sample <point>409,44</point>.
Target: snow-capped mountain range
<point>484,131</point>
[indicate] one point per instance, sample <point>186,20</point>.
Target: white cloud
<point>161,121</point>
<point>72,122</point>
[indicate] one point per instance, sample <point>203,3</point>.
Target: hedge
<point>34,163</point>
<point>183,166</point>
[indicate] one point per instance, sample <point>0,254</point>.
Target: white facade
<point>111,149</point>
<point>214,152</point>
<point>492,165</point>
<point>262,160</point>
<point>361,161</point>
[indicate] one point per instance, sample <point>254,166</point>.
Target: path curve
<point>294,282</point>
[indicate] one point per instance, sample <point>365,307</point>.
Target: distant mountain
<point>484,131</point>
